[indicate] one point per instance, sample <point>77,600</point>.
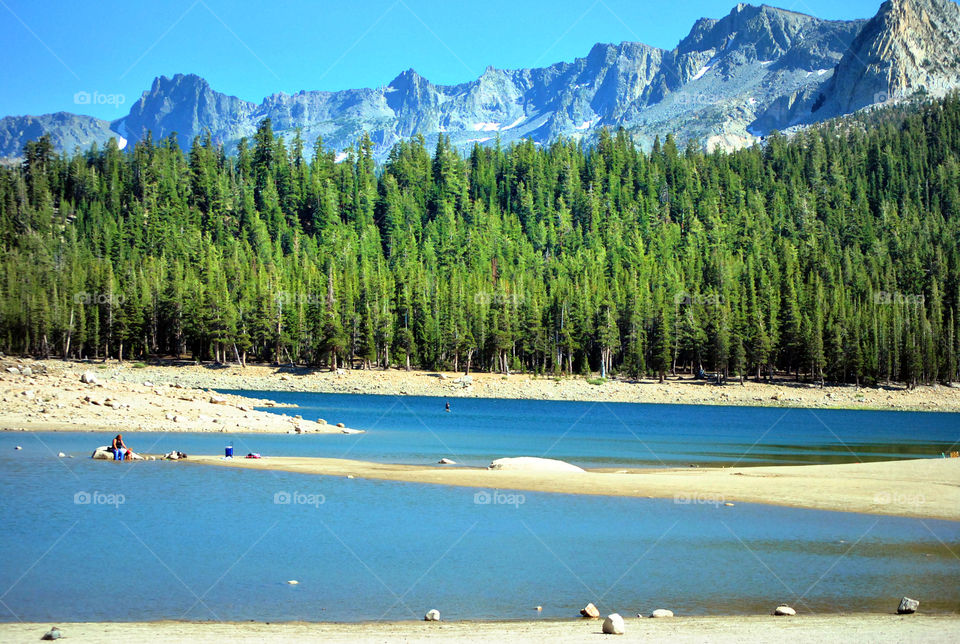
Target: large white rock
<point>662,612</point>
<point>433,615</point>
<point>102,453</point>
<point>88,378</point>
<point>784,611</point>
<point>907,606</point>
<point>613,624</point>
<point>533,464</point>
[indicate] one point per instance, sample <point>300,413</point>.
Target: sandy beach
<point>52,380</point>
<point>928,488</point>
<point>866,628</point>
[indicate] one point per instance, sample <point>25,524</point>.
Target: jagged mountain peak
<point>731,80</point>
<point>406,79</point>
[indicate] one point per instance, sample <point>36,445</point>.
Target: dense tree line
<point>832,255</point>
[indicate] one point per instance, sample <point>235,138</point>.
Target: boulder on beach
<point>447,461</point>
<point>533,464</point>
<point>662,612</point>
<point>433,615</point>
<point>784,611</point>
<point>88,378</point>
<point>613,624</point>
<point>590,611</point>
<point>907,606</point>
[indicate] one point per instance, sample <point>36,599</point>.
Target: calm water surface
<point>86,540</point>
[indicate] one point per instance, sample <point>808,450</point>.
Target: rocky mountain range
<point>729,82</point>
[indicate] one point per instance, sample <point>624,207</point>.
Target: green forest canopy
<point>834,254</point>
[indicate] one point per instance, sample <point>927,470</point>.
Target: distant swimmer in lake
<point>448,405</point>
<point>118,448</point>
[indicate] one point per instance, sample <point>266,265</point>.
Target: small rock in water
<point>432,615</point>
<point>61,455</point>
<point>590,611</point>
<point>53,634</point>
<point>539,608</point>
<point>908,606</point>
<point>17,447</point>
<point>293,582</point>
<point>729,505</point>
<point>662,612</point>
<point>613,624</point>
<point>784,611</point>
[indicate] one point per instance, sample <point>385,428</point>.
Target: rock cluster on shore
<point>53,395</point>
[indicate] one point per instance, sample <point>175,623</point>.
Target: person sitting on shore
<point>118,448</point>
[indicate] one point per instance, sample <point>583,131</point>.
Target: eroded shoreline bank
<point>134,377</point>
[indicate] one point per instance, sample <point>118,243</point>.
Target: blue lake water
<point>95,540</point>
<point>413,429</point>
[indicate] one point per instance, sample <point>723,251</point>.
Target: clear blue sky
<point>52,50</point>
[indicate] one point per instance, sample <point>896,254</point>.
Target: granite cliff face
<point>729,82</point>
<point>909,45</point>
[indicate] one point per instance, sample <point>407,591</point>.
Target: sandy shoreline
<point>866,628</point>
<point>927,488</point>
<point>783,393</point>
<point>50,396</point>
